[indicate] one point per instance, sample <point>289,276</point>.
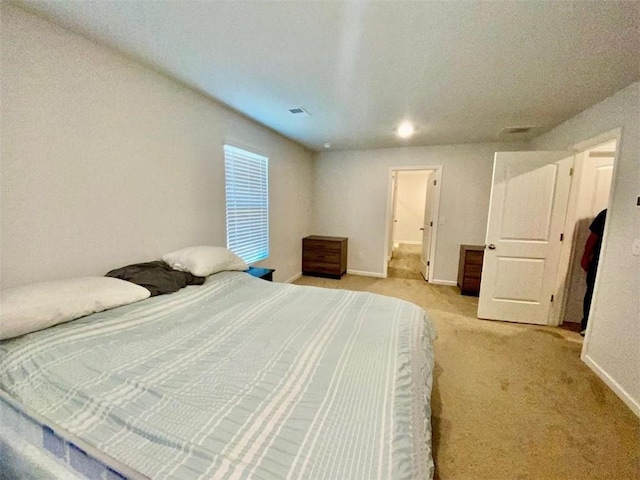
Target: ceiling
<point>460,70</point>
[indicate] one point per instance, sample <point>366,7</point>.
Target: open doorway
<point>592,184</point>
<point>411,222</point>
<point>410,189</point>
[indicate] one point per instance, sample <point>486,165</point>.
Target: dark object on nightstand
<point>470,269</point>
<point>324,256</point>
<point>263,273</point>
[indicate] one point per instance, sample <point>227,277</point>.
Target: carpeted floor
<point>405,262</point>
<point>512,401</point>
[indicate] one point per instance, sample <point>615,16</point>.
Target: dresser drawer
<point>325,256</point>
<point>321,246</point>
<point>321,267</point>
<point>471,284</point>
<point>472,271</point>
<point>474,258</point>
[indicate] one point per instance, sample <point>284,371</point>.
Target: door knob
<point>491,246</point>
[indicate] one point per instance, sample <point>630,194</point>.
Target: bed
<point>238,378</point>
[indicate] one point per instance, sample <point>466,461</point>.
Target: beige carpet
<point>405,262</point>
<point>513,401</point>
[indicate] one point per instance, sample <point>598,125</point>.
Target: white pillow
<point>204,261</point>
<point>41,305</point>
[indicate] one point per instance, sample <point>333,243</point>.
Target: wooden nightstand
<point>324,256</point>
<point>470,269</point>
<point>263,273</point>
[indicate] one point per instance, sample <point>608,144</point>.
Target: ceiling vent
<point>299,111</point>
<point>515,130</point>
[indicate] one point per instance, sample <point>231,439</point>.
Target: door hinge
<point>431,224</point>
<point>428,263</point>
<point>562,237</point>
<point>571,172</point>
<point>435,182</point>
<point>552,298</point>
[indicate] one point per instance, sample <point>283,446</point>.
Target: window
<point>247,194</point>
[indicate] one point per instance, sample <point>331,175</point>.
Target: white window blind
<point>247,194</point>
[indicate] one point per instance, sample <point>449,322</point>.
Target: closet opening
<point>591,189</point>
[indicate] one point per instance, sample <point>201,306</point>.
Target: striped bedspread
<point>240,378</point>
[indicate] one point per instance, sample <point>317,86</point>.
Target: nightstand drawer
<point>321,246</point>
<point>321,256</point>
<point>474,257</point>
<point>471,284</point>
<point>321,267</point>
<point>473,271</point>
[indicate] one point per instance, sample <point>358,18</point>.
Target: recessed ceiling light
<point>406,129</point>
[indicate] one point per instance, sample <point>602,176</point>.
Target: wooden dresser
<point>324,256</point>
<point>470,269</point>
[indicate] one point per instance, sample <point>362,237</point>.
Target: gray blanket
<point>240,378</point>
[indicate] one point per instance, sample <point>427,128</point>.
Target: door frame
<point>436,212</point>
<point>570,249</point>
<point>392,225</point>
<point>567,247</point>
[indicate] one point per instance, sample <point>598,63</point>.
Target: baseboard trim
<point>365,274</point>
<point>294,278</point>
<point>407,242</point>
<point>613,385</point>
<point>451,283</point>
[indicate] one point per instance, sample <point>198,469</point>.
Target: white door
<point>528,204</point>
<point>601,171</point>
<point>427,225</point>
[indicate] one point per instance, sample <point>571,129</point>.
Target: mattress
<point>239,378</point>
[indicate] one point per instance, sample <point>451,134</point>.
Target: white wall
<point>612,347</point>
<point>105,162</point>
<point>352,188</point>
<point>410,199</point>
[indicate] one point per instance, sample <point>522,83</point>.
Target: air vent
<point>515,130</point>
<point>299,111</point>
